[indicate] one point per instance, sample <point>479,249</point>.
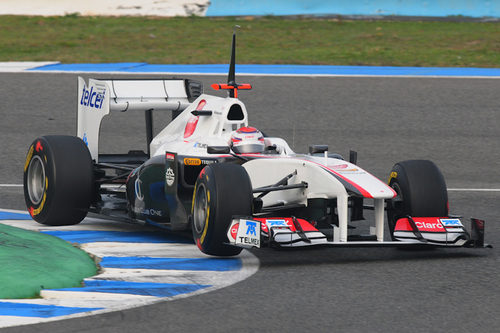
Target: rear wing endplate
<point>99,97</point>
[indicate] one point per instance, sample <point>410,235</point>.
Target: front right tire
<point>221,191</point>
<point>421,191</point>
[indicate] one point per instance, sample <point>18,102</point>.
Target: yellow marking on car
<point>28,158</point>
<point>206,220</point>
<point>39,209</point>
<point>192,161</point>
<point>192,201</point>
<point>394,174</point>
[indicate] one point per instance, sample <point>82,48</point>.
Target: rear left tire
<point>58,180</point>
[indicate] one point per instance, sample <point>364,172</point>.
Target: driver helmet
<point>247,140</point>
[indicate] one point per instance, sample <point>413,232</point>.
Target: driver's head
<point>247,140</point>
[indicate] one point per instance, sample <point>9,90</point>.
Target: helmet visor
<point>248,148</point>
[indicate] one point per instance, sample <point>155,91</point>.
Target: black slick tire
<point>421,190</point>
<point>221,192</point>
<point>58,180</point>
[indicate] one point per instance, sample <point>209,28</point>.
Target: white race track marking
<point>254,70</point>
<point>162,250</point>
<point>270,75</point>
<point>474,189</point>
<point>22,66</point>
<point>129,287</point>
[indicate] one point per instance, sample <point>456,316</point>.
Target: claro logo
<point>428,226</point>
<point>92,98</point>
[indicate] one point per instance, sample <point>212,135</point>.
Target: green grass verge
<point>31,261</point>
<point>267,40</point>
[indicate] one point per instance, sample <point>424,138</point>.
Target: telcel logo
<point>92,98</point>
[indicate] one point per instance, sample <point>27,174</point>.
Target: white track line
<point>450,189</point>
<point>474,189</point>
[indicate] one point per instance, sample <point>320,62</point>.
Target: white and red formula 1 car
<point>209,171</point>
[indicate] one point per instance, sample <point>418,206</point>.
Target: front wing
<point>248,232</point>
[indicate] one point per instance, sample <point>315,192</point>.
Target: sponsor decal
<point>248,233</point>
<point>342,168</point>
<point>149,212</point>
<point>169,156</point>
<point>234,230</point>
<point>154,212</point>
<point>192,161</point>
<point>92,98</point>
<point>285,223</point>
<point>339,166</point>
<point>85,139</point>
<point>423,225</point>
<point>191,126</point>
<point>267,224</point>
<point>429,226</point>
<point>200,145</point>
<point>451,223</point>
<point>170,177</point>
<point>251,228</point>
<point>276,223</point>
<point>138,189</point>
<point>349,170</point>
<point>193,121</point>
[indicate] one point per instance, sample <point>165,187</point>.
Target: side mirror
<point>218,149</point>
<point>315,149</point>
<point>353,156</point>
<point>272,148</point>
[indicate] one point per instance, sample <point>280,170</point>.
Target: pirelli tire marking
<point>35,169</point>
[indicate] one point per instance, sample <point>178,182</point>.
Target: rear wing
<point>100,97</point>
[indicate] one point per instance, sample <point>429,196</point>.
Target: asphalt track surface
<point>454,122</point>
